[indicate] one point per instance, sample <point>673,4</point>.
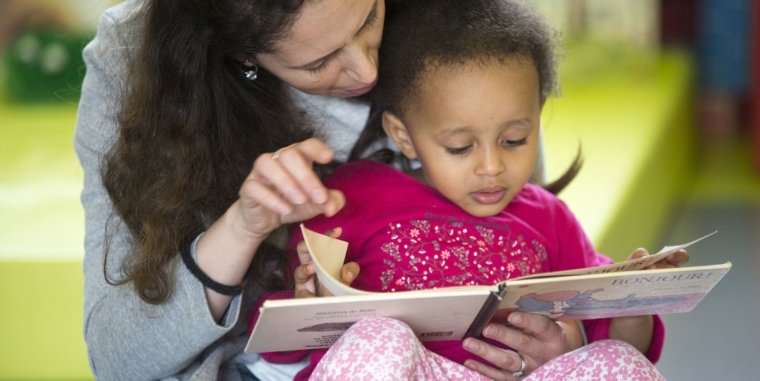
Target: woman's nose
<point>364,65</point>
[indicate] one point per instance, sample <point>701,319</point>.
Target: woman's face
<point>331,48</point>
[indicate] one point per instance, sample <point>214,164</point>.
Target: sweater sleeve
<point>126,338</point>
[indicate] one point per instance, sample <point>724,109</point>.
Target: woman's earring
<point>251,72</point>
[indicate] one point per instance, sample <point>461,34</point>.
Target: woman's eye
<point>317,69</point>
<point>372,19</point>
<point>458,150</point>
<point>515,143</point>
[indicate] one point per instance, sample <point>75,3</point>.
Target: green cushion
<point>637,136</point>
<point>41,245</point>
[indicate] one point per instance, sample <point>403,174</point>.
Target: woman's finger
<point>253,193</point>
<point>298,166</point>
<point>302,155</point>
<point>336,200</point>
<point>274,173</point>
<point>314,150</point>
<point>334,232</point>
<point>309,209</point>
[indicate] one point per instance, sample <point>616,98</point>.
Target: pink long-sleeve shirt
<point>405,235</point>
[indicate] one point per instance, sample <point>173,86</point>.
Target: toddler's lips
<point>489,195</point>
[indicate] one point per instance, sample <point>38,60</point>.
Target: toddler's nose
<point>490,163</point>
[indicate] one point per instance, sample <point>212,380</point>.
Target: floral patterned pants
<point>387,349</point>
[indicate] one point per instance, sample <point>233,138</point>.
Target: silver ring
<point>276,154</point>
<point>519,373</point>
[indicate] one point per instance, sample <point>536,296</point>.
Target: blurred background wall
<point>662,96</point>
<point>41,219</point>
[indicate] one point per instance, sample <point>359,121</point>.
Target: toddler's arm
<point>640,331</point>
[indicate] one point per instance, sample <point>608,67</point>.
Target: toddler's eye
<point>514,143</point>
<point>458,150</point>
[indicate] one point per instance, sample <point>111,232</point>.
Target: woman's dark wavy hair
<point>420,35</point>
<point>191,126</point>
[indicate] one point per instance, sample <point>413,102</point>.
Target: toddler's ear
<point>396,131</point>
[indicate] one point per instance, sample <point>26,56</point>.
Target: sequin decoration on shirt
<point>440,252</point>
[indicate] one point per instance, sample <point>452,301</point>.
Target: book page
<point>616,294</point>
<point>328,255</point>
<point>634,264</point>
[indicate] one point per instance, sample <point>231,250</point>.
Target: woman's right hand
<point>278,190</point>
<point>307,284</point>
<point>282,188</point>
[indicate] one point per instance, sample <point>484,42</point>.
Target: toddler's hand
<point>671,261</point>
<point>534,339</point>
<point>307,284</point>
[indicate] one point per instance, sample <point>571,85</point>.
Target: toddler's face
<point>475,132</point>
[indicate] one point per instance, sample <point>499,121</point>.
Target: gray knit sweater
<point>128,339</point>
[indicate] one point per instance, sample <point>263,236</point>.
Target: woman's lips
<point>489,195</point>
<point>364,89</point>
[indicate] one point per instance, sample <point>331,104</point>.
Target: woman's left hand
<point>536,338</point>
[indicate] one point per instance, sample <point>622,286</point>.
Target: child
<point>461,88</point>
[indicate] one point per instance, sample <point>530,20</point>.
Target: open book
<point>452,313</point>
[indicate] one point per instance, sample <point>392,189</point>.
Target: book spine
<point>486,312</point>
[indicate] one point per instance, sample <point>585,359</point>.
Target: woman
<point>183,105</point>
